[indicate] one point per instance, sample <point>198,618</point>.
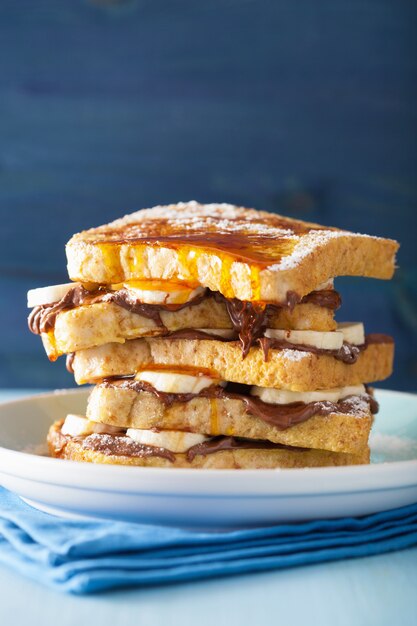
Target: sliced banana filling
<point>49,295</point>
<point>161,292</point>
<point>226,333</point>
<point>349,332</point>
<point>283,396</point>
<point>353,332</point>
<point>174,382</point>
<point>148,292</point>
<point>80,426</point>
<point>173,440</point>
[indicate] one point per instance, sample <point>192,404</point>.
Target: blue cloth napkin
<point>87,556</point>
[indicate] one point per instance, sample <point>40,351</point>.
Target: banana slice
<point>172,382</point>
<point>162,292</point>
<point>174,440</point>
<point>48,295</point>
<point>352,332</point>
<point>282,396</point>
<point>227,333</point>
<point>78,425</point>
<point>331,340</point>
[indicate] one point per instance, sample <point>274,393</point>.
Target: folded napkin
<point>87,556</point>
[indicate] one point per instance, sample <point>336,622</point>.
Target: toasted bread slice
<point>105,322</point>
<point>83,449</point>
<point>127,408</point>
<point>285,369</point>
<point>242,253</point>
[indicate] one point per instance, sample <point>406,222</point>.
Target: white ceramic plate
<point>205,498</point>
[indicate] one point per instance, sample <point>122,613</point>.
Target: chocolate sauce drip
<point>348,353</point>
<point>282,416</point>
<point>248,319</point>
<point>217,444</point>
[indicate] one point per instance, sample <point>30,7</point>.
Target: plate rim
<point>275,483</point>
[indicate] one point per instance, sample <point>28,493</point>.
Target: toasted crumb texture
<point>228,459</point>
<point>297,256</point>
<point>285,369</point>
<point>105,322</point>
<point>128,408</point>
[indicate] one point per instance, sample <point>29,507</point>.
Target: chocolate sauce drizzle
<point>42,318</point>
<point>347,353</point>
<point>281,416</point>
<point>249,319</point>
<point>115,445</point>
<point>219,443</point>
<point>123,446</point>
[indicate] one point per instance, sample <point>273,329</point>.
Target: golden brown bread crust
<point>227,459</point>
<point>285,369</point>
<point>105,322</point>
<point>128,408</point>
<point>302,255</point>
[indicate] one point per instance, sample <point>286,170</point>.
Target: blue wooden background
<point>306,108</point>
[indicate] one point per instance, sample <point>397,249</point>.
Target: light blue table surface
<point>378,591</point>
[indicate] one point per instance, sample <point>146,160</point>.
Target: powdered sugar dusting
<point>220,218</point>
<point>307,245</point>
<point>122,446</point>
<point>286,241</point>
<point>390,448</point>
<point>190,212</point>
<point>358,405</point>
<point>294,355</point>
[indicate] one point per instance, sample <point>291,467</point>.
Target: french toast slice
<point>291,369</point>
<point>103,449</point>
<point>242,253</point>
<point>105,322</point>
<point>344,431</point>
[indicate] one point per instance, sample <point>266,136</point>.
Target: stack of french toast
<point>209,333</point>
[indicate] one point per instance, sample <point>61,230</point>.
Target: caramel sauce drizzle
<point>237,237</point>
<point>256,242</point>
<point>214,417</point>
